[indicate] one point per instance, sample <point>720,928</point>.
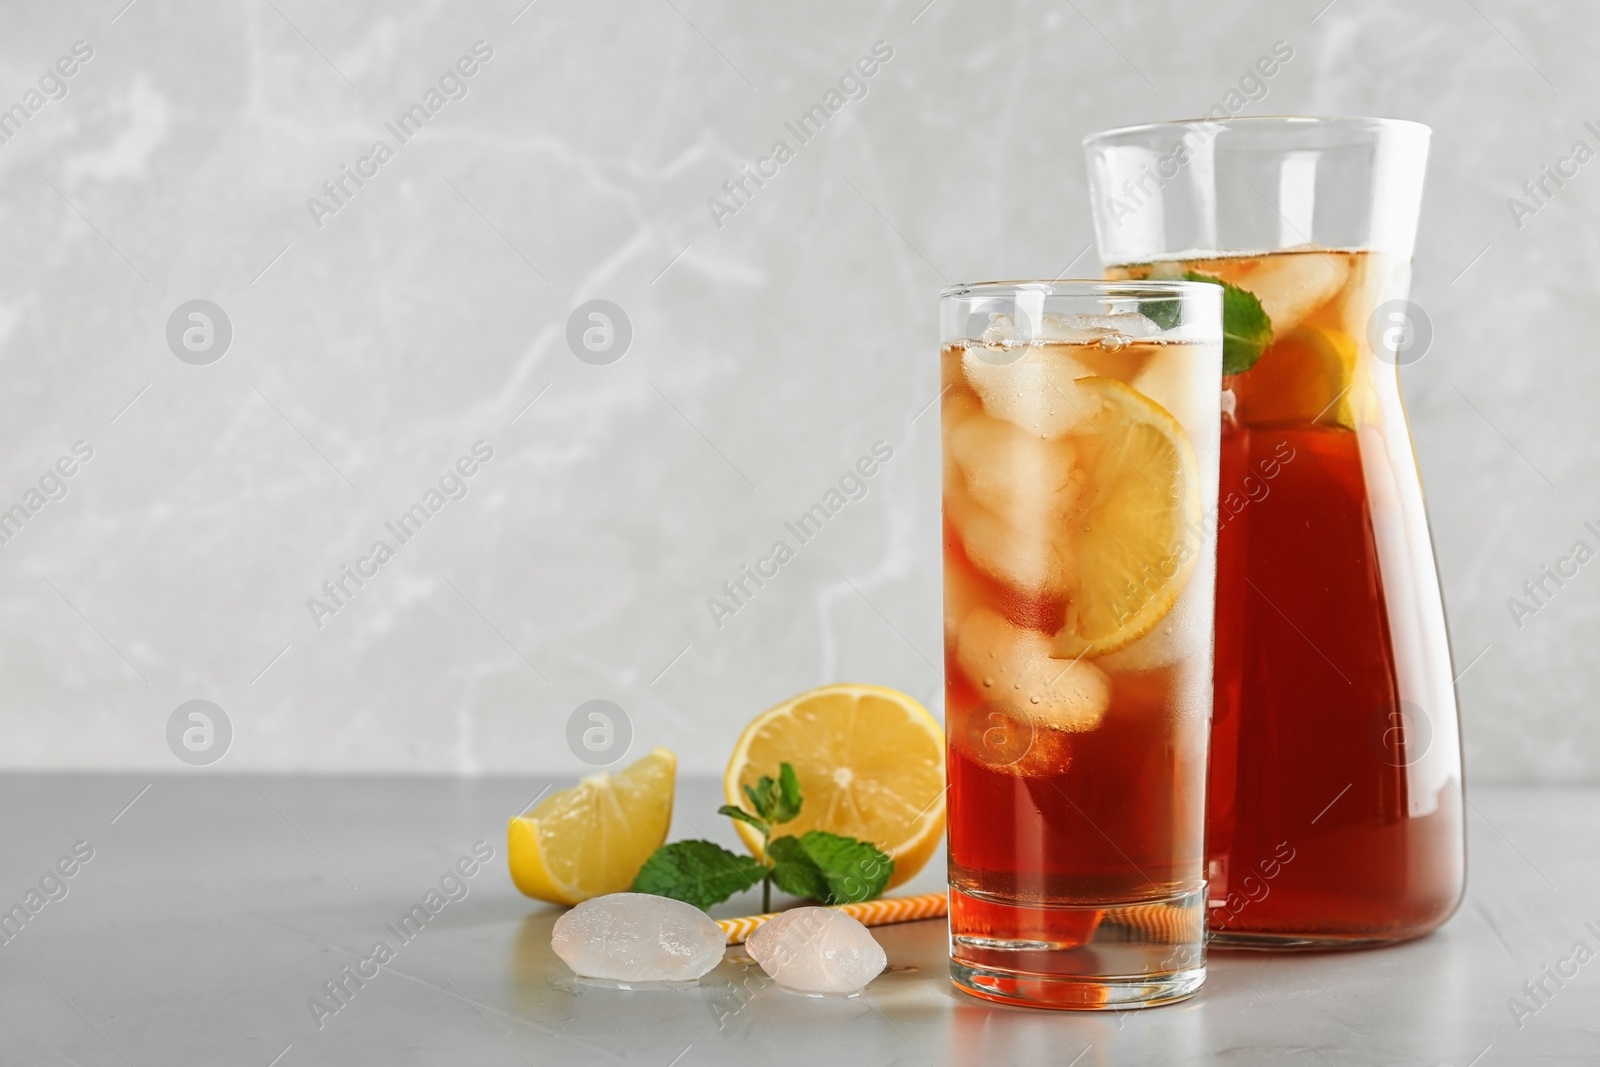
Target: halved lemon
<point>871,766</point>
<point>1137,534</point>
<point>592,839</point>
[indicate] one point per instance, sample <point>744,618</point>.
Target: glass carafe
<point>1334,803</point>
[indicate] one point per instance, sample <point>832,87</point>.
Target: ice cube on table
<point>817,950</point>
<point>638,937</point>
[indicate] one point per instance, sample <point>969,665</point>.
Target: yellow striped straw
<point>869,913</point>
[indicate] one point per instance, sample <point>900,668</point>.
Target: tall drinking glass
<point>1335,804</point>
<point>1080,431</point>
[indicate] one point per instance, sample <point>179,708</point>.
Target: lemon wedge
<point>592,839</point>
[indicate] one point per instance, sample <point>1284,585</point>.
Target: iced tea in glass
<point>1080,434</point>
<point>1335,806</point>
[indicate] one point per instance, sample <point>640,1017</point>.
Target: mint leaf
<point>697,872</point>
<point>758,800</point>
<point>1164,313</point>
<point>794,871</point>
<point>744,816</point>
<point>829,867</point>
<point>855,870</point>
<point>1246,329</point>
<point>775,801</point>
<point>764,797</point>
<point>788,805</point>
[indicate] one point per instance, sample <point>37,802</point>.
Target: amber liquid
<point>1076,844</point>
<point>1117,817</point>
<point>1334,805</point>
<point>1118,820</point>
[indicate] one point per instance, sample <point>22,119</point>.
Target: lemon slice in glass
<point>1137,532</point>
<point>1304,376</point>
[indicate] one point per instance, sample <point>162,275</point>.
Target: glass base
<point>1231,940</point>
<point>1068,993</point>
<point>1073,957</point>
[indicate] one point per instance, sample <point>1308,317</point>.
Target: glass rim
<point>1348,122</point>
<point>1124,288</point>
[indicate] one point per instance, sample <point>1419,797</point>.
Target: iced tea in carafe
<point>1335,813</point>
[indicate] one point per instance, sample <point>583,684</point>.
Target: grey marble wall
<point>383,330</point>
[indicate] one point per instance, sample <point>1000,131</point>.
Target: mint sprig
<point>698,872</point>
<point>816,865</point>
<point>774,802</point>
<point>1246,329</point>
<point>829,867</point>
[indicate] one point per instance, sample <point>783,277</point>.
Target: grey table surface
<point>215,908</point>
